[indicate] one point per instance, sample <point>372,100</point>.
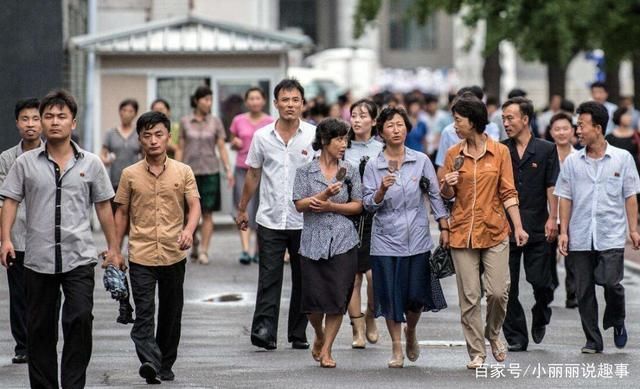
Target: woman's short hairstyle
<point>388,114</point>
<point>327,130</point>
<point>254,89</point>
<point>470,107</point>
<point>618,114</point>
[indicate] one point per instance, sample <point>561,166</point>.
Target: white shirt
<point>279,162</point>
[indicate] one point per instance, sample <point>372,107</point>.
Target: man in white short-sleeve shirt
<point>277,150</point>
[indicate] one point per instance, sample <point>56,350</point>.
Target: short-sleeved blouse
<point>326,234</point>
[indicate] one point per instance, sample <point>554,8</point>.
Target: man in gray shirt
<point>597,188</point>
<point>58,184</point>
<point>29,128</point>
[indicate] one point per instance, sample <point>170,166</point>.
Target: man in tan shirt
<point>151,201</point>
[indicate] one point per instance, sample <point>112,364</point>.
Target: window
<point>177,91</point>
<point>405,33</point>
<point>231,98</point>
<point>299,14</point>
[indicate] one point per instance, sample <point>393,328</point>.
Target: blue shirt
<point>415,137</point>
<point>448,138</point>
<point>598,190</point>
<point>401,224</point>
<point>326,234</point>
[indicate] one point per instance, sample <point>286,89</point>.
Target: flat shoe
<point>328,363</point>
<point>498,350</point>
<point>476,363</point>
<point>413,348</point>
<point>396,363</point>
<point>317,349</point>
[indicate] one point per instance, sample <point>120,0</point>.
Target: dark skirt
<point>327,284</point>
<point>365,222</point>
<point>209,189</point>
<point>405,284</point>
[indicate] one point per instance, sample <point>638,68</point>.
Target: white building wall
<point>260,14</point>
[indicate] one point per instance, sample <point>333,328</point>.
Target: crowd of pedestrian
<point>345,195</point>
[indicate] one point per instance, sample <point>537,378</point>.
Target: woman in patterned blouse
<point>327,191</point>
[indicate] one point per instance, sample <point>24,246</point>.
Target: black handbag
<point>442,263</point>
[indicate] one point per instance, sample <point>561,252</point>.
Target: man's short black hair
<point>131,102</point>
<point>59,98</point>
<point>525,105</point>
<point>517,92</point>
<point>150,119</point>
<point>29,103</point>
<point>472,108</point>
<point>567,106</point>
<point>430,98</point>
<point>288,84</point>
<point>328,129</point>
<point>492,100</point>
<point>598,112</point>
<point>599,84</point>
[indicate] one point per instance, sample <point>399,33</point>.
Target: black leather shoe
<point>537,333</point>
<point>300,345</point>
<point>149,373</point>
<point>20,358</point>
<point>261,339</point>
<point>167,375</point>
<point>590,348</point>
<point>517,347</point>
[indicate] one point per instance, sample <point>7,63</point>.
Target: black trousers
<point>604,268</point>
<point>161,348</point>
<point>272,246</point>
<point>570,274</point>
<point>18,303</point>
<point>43,296</point>
<point>538,273</point>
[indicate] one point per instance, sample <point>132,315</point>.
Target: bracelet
<point>444,229</point>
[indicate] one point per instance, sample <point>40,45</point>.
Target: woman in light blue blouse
<point>395,185</point>
<point>363,147</point>
<point>326,191</point>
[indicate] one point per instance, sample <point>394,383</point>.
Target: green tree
<point>549,31</point>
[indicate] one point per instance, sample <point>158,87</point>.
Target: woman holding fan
<point>327,191</point>
<point>395,185</point>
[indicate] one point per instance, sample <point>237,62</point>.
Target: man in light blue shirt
<point>597,188</point>
<point>600,94</point>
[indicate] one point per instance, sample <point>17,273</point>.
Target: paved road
<point>215,351</point>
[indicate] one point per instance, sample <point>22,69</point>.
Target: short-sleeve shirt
<point>533,174</point>
<point>19,230</point>
<point>127,151</point>
<point>156,210</point>
<point>598,190</point>
<point>326,234</point>
<point>200,142</point>
<point>58,204</point>
<point>279,162</point>
<point>243,128</point>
